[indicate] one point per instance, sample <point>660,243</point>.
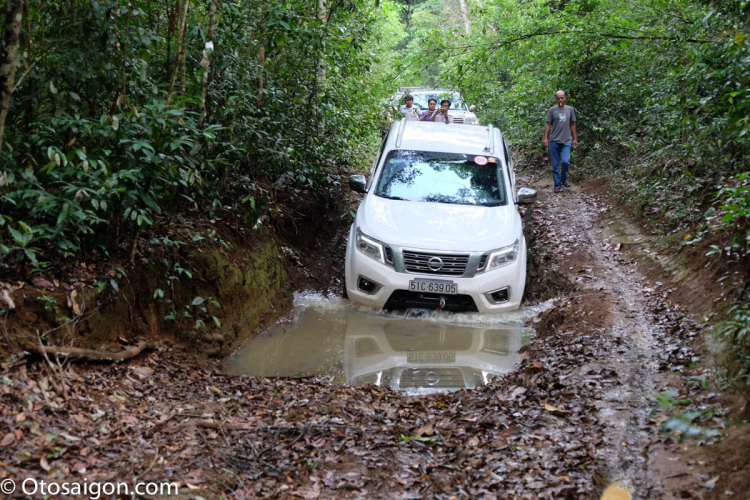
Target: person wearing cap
<point>410,112</point>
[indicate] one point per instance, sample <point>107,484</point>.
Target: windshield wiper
<point>395,198</point>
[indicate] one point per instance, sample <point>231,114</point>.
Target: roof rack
<point>491,147</point>
<point>400,134</point>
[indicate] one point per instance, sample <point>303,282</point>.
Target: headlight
<point>502,257</point>
<point>371,248</point>
<point>471,121</point>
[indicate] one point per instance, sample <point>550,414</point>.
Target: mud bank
<point>203,285</point>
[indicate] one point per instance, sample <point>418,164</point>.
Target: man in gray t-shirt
<point>559,133</point>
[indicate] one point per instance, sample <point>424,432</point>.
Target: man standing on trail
<point>561,121</point>
<point>410,112</point>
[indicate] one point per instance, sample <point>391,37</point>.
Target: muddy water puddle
<point>416,351</point>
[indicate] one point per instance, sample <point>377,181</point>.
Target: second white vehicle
<point>439,224</point>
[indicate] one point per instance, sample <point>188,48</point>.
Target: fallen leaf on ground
<point>710,483</point>
<point>554,409</point>
<point>40,282</point>
<point>427,430</point>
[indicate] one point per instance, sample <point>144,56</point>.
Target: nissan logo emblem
<point>435,264</point>
<point>431,378</point>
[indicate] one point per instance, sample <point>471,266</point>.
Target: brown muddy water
<point>416,351</point>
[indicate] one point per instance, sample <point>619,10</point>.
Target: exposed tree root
<point>93,355</point>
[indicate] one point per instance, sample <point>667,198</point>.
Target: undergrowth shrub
<point>736,203</point>
<point>734,330</point>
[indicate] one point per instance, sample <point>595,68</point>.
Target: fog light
<point>499,296</point>
<point>367,285</point>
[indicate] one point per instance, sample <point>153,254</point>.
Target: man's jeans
<point>559,151</point>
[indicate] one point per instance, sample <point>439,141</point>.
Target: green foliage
<point>422,439</point>
<point>93,154</point>
<point>685,423</point>
<point>50,304</point>
<point>734,330</point>
<point>736,203</point>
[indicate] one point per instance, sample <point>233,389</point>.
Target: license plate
<point>431,357</point>
<point>444,287</point>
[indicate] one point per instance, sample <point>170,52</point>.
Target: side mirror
<point>526,196</point>
<point>472,108</point>
<point>358,183</point>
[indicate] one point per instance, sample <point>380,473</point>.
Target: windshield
<point>442,178</point>
<point>455,99</point>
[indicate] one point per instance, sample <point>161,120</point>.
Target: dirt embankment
<point>200,284</point>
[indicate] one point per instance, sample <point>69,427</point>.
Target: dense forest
<point>113,112</point>
<point>171,173</point>
<point>116,112</point>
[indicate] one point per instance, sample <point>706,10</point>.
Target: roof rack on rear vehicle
<point>400,134</point>
<point>491,147</point>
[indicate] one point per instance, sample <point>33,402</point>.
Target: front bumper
<point>512,276</point>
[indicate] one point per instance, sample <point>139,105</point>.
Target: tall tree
<point>180,49</point>
<point>206,60</point>
<point>465,16</point>
<point>8,56</point>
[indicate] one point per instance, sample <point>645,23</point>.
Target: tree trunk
<point>465,15</point>
<point>172,11</point>
<point>261,55</point>
<point>320,79</point>
<point>180,50</point>
<point>125,51</point>
<point>206,61</point>
<point>8,56</point>
<point>29,114</point>
<point>238,100</point>
<point>261,68</point>
<point>183,78</point>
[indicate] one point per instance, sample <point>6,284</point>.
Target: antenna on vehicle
<point>400,134</point>
<point>491,147</point>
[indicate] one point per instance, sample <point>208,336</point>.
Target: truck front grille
<point>436,264</point>
<point>432,377</point>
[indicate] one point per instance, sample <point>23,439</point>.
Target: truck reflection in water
<point>417,356</point>
<point>435,352</point>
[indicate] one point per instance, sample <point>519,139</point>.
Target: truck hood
<point>439,226</point>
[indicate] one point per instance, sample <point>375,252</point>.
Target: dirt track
<point>574,417</point>
<point>652,342</point>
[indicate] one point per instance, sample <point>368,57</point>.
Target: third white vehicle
<point>439,224</point>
